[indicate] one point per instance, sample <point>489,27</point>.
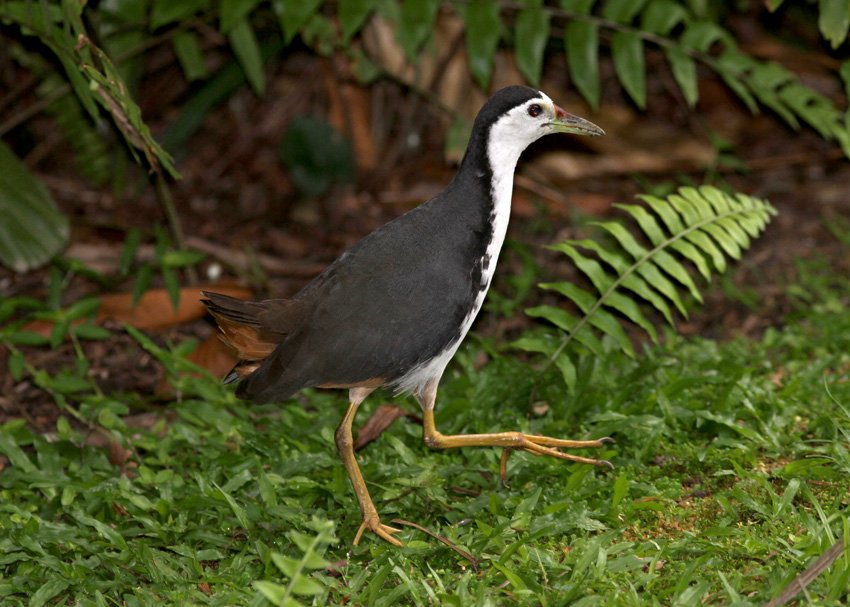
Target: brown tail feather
<point>231,308</point>
<point>242,329</point>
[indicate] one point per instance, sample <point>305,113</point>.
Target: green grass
<point>731,478</point>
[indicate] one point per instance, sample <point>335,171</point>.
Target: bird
<point>392,310</point>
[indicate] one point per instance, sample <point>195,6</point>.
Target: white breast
<point>509,136</point>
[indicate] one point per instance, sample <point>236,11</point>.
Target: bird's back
<point>390,303</point>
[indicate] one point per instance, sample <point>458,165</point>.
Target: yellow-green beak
<point>569,123</point>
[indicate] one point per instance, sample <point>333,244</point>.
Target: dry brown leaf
<point>379,421</point>
<point>154,309</point>
<point>350,114</point>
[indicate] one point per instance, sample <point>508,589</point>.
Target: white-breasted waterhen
<point>393,309</point>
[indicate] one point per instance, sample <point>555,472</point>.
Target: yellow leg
<point>537,445</point>
<point>345,445</point>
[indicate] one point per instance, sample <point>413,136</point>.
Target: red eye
<point>534,110</point>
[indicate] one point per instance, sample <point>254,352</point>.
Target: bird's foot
<point>373,523</point>
<point>544,445</point>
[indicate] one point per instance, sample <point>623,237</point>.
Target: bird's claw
<point>373,523</point>
<point>544,445</point>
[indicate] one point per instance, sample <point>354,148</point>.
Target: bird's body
<point>393,309</point>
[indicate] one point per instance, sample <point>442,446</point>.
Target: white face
<point>524,124</point>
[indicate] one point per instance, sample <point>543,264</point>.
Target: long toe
<point>374,524</point>
<point>544,445</point>
<point>567,444</point>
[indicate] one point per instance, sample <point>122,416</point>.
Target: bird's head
<point>516,116</point>
<point>522,115</point>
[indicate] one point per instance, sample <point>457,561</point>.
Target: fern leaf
<point>482,37</point>
<point>532,34</point>
<point>630,65</point>
<point>568,370</point>
<point>694,224</point>
<point>633,282</point>
<point>661,16</point>
<point>566,321</point>
<point>581,42</point>
<point>593,314</point>
<point>649,272</point>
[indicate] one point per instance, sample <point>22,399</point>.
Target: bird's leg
<point>345,445</point>
<point>537,445</point>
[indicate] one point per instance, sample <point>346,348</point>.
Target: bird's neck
<point>502,160</point>
<point>488,167</point>
<point>487,170</point>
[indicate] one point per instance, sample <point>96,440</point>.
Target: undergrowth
<point>730,478</point>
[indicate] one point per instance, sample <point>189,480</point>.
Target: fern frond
<point>701,226</point>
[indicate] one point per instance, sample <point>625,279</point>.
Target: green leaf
<point>47,591</point>
<point>233,12</point>
<point>292,567</point>
<point>564,320</point>
<point>532,34</point>
<point>582,7</point>
<point>650,270</point>
<point>602,320</point>
<point>591,268</point>
<point>834,20</point>
<point>142,282</point>
<point>701,35</point>
<point>128,252</point>
<point>627,51</point>
<point>244,44</point>
<point>238,510</point>
<point>667,213</point>
<point>172,285</point>
<point>568,370</point>
<point>66,383</point>
<point>102,528</point>
<point>515,580</point>
<point>661,16</point>
<point>416,24</point>
<point>844,71</point>
<point>90,331</point>
<point>622,11</point>
<point>25,338</point>
<point>292,16</point>
<point>666,262</point>
<point>16,365</point>
<point>684,73</point>
<point>19,459</point>
<point>275,593</point>
<point>631,281</point>
<point>181,259</point>
<point>58,333</point>
<point>629,308</point>
<point>165,12</point>
<point>581,43</point>
<point>84,307</point>
<point>536,343</point>
<point>621,489</point>
<point>267,490</point>
<point>32,229</point>
<point>483,28</point>
<point>188,50</point>
<point>352,15</point>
